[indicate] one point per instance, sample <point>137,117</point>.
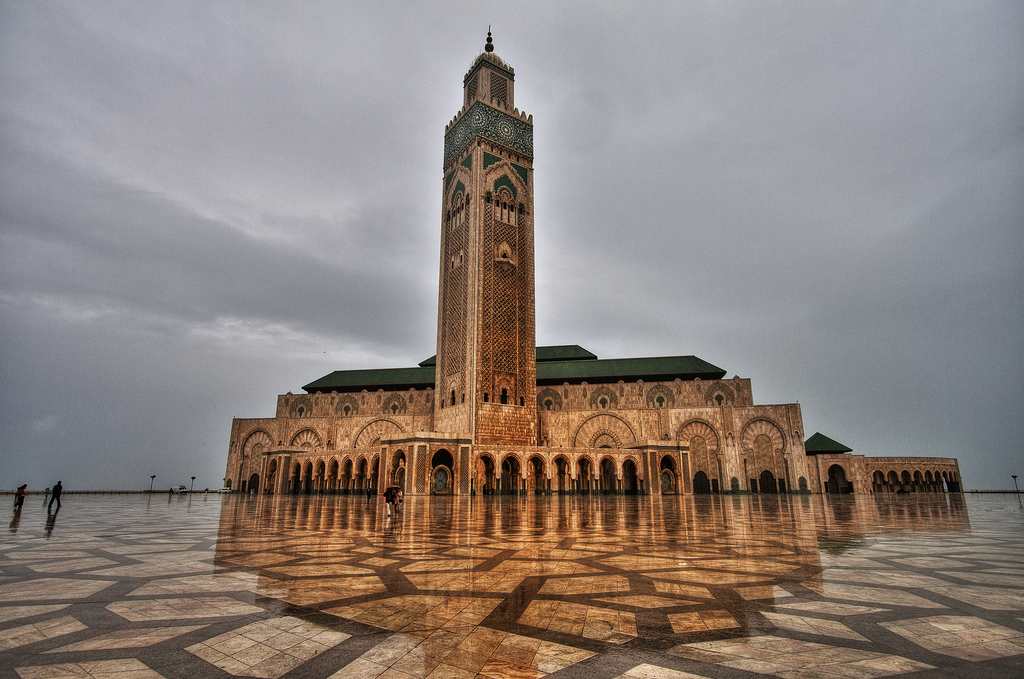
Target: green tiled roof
<point>819,443</point>
<point>553,370</point>
<point>558,352</point>
<point>386,378</point>
<point>615,369</point>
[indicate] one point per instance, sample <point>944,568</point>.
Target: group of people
<point>51,495</point>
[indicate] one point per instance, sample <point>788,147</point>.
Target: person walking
<point>369,494</point>
<point>389,502</point>
<point>19,497</point>
<point>55,497</point>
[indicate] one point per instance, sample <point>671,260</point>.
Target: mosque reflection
<point>604,568</point>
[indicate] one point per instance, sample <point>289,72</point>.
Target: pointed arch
<point>603,428</point>
<point>306,438</point>
<point>371,433</point>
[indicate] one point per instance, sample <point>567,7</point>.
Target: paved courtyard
<point>119,587</point>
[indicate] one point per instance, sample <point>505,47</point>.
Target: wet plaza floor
<point>123,586</point>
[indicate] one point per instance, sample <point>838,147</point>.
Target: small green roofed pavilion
<point>819,444</point>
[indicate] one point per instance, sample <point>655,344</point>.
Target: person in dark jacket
<point>57,490</point>
<point>19,497</point>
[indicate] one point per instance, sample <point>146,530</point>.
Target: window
<point>346,410</point>
<point>394,408</point>
<point>504,396</point>
<point>452,401</point>
<point>486,399</point>
<point>719,399</point>
<point>301,412</point>
<point>602,403</point>
<point>659,401</point>
<point>522,401</point>
<point>549,404</point>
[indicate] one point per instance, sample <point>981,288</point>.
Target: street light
<point>192,484</point>
<point>152,478</point>
<point>1015,488</point>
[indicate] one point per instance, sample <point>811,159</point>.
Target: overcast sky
<point>205,205</point>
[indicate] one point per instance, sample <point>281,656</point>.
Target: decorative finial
<point>489,47</point>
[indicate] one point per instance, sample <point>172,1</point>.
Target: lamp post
<point>1015,488</point>
<point>191,485</point>
<point>152,478</point>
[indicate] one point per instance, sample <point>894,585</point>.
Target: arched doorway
<point>837,483</point>
<point>254,484</point>
<point>892,480</point>
<point>583,475</point>
<point>667,476</point>
<point>562,480</point>
<point>332,477</point>
<point>374,473</point>
<point>346,477</point>
<point>442,473</point>
<point>487,480</point>
<point>630,483</point>
<point>607,476</point>
<point>802,485</point>
<point>397,476</point>
<point>734,485</point>
<point>360,482</point>
<point>766,483</point>
<point>296,479</point>
<point>272,477</point>
<point>510,475</point>
<point>878,481</point>
<point>307,478</point>
<point>905,482</point>
<point>321,477</point>
<point>701,484</point>
<point>918,482</point>
<point>537,480</point>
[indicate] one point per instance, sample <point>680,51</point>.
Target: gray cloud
<point>204,206</point>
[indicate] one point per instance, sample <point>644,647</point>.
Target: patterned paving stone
<point>516,587</point>
<point>647,671</point>
<point>59,589</point>
<point>128,668</point>
<point>31,633</point>
<point>175,609</point>
<point>963,637</point>
<point>139,637</point>
<point>791,658</point>
<point>268,648</point>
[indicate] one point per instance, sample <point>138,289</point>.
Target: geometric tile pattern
<point>597,587</point>
<point>268,648</point>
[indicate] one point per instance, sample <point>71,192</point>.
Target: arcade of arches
<point>492,413</point>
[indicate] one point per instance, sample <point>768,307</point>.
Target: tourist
<point>19,497</point>
<point>389,501</point>
<point>369,493</point>
<point>399,499</point>
<point>57,490</point>
<point>46,495</point>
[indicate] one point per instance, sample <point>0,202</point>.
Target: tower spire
<point>489,47</point>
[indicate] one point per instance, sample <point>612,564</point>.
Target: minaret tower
<point>486,355</point>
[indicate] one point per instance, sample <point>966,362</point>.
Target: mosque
<point>492,413</point>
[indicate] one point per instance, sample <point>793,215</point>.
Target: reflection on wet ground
<point>803,586</point>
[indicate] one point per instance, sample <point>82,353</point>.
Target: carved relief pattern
<point>374,430</point>
<point>347,400</point>
<point>610,426</point>
<point>394,404</point>
<point>491,124</point>
<point>307,438</point>
<point>610,398</point>
<point>549,399</point>
<point>451,360</point>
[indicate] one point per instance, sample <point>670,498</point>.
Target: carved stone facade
<point>492,413</point>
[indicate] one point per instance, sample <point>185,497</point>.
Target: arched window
<point>659,401</point>
<point>602,403</point>
<point>504,396</point>
<point>346,410</point>
<point>453,397</point>
<point>549,404</point>
<point>301,412</point>
<point>719,399</point>
<point>486,397</point>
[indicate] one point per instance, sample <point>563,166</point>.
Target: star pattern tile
<point>594,587</point>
